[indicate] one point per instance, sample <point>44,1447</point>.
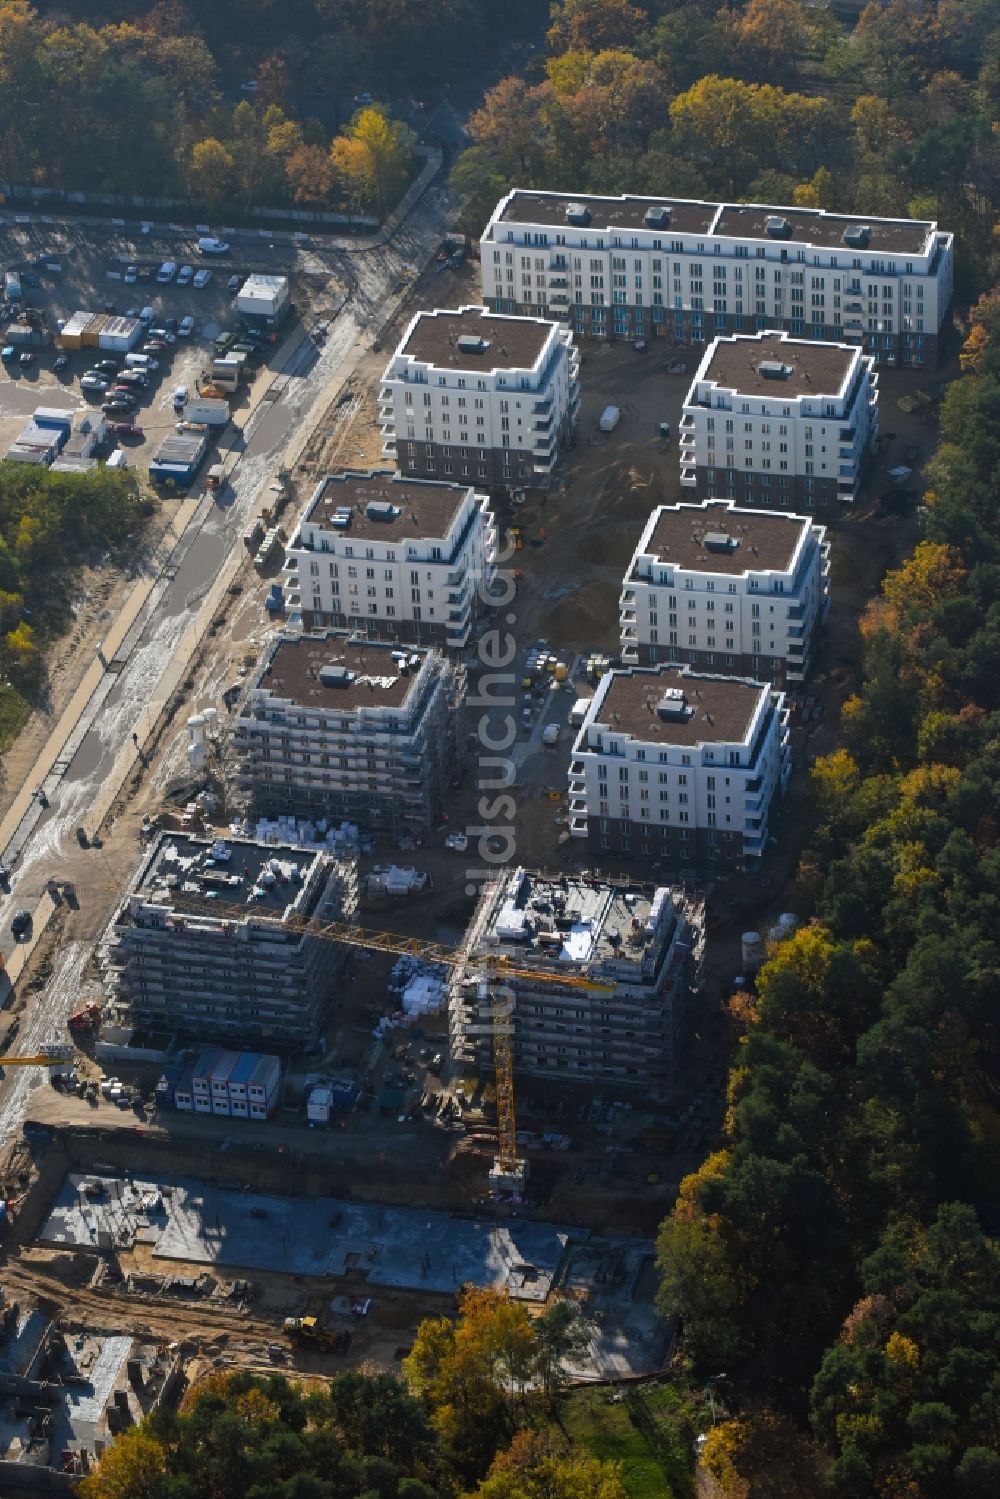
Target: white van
<point>140,362</point>
<point>146,316</point>
<point>167,272</point>
<point>213,246</point>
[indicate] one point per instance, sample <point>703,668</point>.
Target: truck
<point>85,1020</point>
<point>12,286</point>
<point>310,1332</point>
<point>610,417</point>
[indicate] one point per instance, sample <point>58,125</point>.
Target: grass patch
<point>648,1431</point>
<point>15,710</point>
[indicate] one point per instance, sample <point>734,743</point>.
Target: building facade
<point>686,270</point>
<point>393,558</point>
<point>617,968</point>
<point>248,971</point>
<point>481,398</point>
<point>724,589</point>
<point>679,767</point>
<point>774,420</point>
<point>352,730</point>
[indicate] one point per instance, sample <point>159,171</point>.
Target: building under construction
<point>175,967</point>
<point>343,728</point>
<point>638,951</point>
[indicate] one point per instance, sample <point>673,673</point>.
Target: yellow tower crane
<point>509,1168</point>
<point>39,1061</point>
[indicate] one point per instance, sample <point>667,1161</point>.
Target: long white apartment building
<point>686,270</point>
<point>725,589</point>
<point>481,398</point>
<point>347,729</point>
<point>680,767</point>
<point>775,420</point>
<point>393,558</point>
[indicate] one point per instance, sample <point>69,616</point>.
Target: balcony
<point>630,655</point>
<point>627,616</point>
<point>578,827</point>
<point>689,477</point>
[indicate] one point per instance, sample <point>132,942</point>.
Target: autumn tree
<point>590,25</point>
<point>309,171</point>
<point>389,144</point>
<point>211,171</point>
<point>534,1467</point>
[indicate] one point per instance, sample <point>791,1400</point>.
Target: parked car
<point>116,404</point>
<point>62,362</point>
<point>21,924</point>
<point>147,272</point>
<point>164,333</point>
<point>107,366</point>
<point>213,246</point>
<point>201,278</point>
<point>94,383</point>
<point>125,429</point>
<point>186,327</point>
<point>133,377</point>
<point>154,346</point>
<point>170,323</point>
<point>234,283</point>
<point>185,275</point>
<point>180,395</point>
<point>131,275</point>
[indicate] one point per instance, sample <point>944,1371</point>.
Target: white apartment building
<point>347,729</point>
<point>679,767</point>
<point>391,557</point>
<point>685,270</point>
<point>481,398</point>
<point>724,589</point>
<point>776,420</point>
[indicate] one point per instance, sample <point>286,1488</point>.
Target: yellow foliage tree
<point>835,777</point>
<point>352,166</point>
<point>211,170</point>
<point>133,1468</point>
<point>933,574</point>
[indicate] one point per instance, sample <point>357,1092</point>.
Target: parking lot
<point>91,279</point>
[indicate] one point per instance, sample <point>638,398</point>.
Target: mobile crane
<point>509,1170</point>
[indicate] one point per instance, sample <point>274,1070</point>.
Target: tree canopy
<point>836,1243</point>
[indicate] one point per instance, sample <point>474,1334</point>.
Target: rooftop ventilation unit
<point>858,236</point>
<point>657,217</point>
<point>472,343</point>
<point>382,510</point>
<point>335,676</point>
<point>719,541</point>
<point>578,213</point>
<point>673,706</point>
<point>773,369</point>
<point>340,522</point>
<point>778,226</point>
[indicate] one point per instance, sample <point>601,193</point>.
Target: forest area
<point>833,1264</point>
<point>51,526</point>
<point>215,94</point>
<point>768,101</point>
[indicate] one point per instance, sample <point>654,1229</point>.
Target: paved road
<point>154,653</point>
